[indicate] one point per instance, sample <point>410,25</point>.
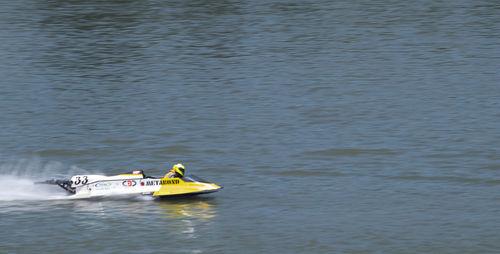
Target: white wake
<point>16,188</point>
<point>18,177</point>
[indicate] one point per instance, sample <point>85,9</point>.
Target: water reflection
<point>187,209</point>
<point>186,217</point>
<point>190,215</point>
<point>141,205</point>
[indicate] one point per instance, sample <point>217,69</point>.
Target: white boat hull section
<point>97,185</point>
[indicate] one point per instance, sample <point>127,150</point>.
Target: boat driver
<point>176,171</point>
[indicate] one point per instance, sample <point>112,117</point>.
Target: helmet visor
<point>180,171</point>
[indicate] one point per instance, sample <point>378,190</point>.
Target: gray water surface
<point>334,126</point>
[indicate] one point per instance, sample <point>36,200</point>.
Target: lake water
<point>333,126</point>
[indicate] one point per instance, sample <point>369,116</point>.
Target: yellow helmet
<point>179,169</point>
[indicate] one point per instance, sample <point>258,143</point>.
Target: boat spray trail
<point>18,175</point>
<point>14,187</point>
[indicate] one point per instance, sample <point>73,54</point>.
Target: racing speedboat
<point>134,182</point>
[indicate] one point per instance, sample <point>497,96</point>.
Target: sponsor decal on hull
<point>103,186</point>
<point>160,182</point>
<point>129,183</point>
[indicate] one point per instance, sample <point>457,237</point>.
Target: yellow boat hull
<point>177,186</point>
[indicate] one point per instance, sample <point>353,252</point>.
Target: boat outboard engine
<point>65,184</point>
